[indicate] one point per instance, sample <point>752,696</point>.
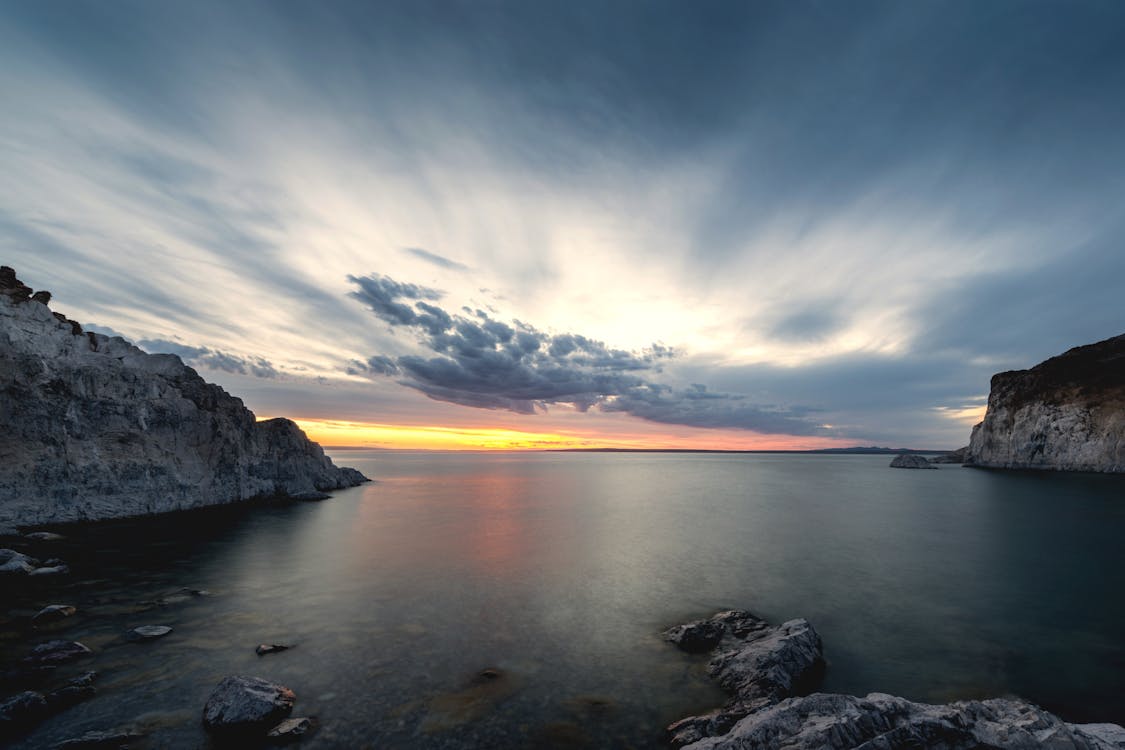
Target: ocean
<point>517,599</point>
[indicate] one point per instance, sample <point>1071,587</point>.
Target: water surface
<point>557,571</point>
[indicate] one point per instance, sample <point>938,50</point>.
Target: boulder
<point>911,461</point>
<point>16,563</point>
<point>246,706</point>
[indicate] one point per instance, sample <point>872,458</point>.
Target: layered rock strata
<point>1064,414</point>
<point>91,427</point>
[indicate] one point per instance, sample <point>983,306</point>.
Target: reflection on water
<point>515,600</point>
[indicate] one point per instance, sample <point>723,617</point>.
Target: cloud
<point>482,362</point>
<point>434,258</point>
<point>200,356</point>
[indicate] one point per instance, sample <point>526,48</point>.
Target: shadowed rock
<point>52,613</point>
<point>147,632</point>
<point>291,730</point>
<point>57,652</point>
<point>246,707</point>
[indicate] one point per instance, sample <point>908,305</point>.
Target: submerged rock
<point>57,652</point>
<point>24,710</point>
<point>91,427</point>
<point>291,730</point>
<point>270,648</point>
<point>52,613</point>
<point>148,632</point>
<point>1067,413</point>
<point>101,740</point>
<point>911,461</point>
<point>246,706</point>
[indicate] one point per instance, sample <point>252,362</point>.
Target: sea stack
<point>1064,414</point>
<point>91,427</point>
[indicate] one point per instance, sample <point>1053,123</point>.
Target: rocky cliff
<point>91,427</point>
<point>1067,413</point>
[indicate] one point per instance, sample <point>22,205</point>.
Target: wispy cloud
<point>435,259</point>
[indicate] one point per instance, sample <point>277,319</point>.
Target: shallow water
<point>557,571</point>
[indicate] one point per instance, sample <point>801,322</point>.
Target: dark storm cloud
<point>485,363</point>
<point>199,356</point>
<point>435,259</point>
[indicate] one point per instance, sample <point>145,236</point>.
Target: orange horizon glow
<point>342,433</point>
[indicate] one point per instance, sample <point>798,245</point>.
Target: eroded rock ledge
<point>767,669</point>
<point>91,427</point>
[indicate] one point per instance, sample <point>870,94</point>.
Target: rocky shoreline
<point>770,672</point>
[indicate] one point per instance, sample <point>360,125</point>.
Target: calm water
<point>560,570</point>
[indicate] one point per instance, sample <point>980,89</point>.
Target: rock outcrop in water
<point>91,427</point>
<point>911,461</point>
<point>1064,414</point>
<point>767,668</point>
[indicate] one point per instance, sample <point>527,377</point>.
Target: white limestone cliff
<point>1064,414</point>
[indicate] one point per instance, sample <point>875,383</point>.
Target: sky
<point>741,225</point>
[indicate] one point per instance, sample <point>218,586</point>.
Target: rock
<point>91,427</point>
<point>101,740</point>
<point>696,637</point>
<point>1064,414</point>
<point>958,456</point>
<point>25,710</point>
<point>17,563</point>
<point>21,712</point>
<point>882,722</point>
<point>270,648</point>
<point>910,461</point>
<point>52,613</point>
<point>57,652</point>
<point>45,536</point>
<point>767,670</point>
<point>758,664</point>
<point>52,570</point>
<point>291,730</point>
<point>311,496</point>
<point>148,632</point>
<point>246,706</point>
<point>42,296</point>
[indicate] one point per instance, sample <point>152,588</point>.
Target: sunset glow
<point>332,433</point>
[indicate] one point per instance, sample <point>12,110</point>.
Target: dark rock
<point>698,636</point>
<point>270,648</point>
<point>958,456</point>
<point>52,613</point>
<point>246,706</point>
<point>51,570</point>
<point>57,652</point>
<point>148,632</point>
<point>311,496</point>
<point>45,536</point>
<point>101,740</point>
<point>42,296</point>
<point>911,461</point>
<point>291,730</point>
<point>22,711</point>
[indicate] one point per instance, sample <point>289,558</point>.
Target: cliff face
<point>1067,414</point>
<point>92,427</point>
